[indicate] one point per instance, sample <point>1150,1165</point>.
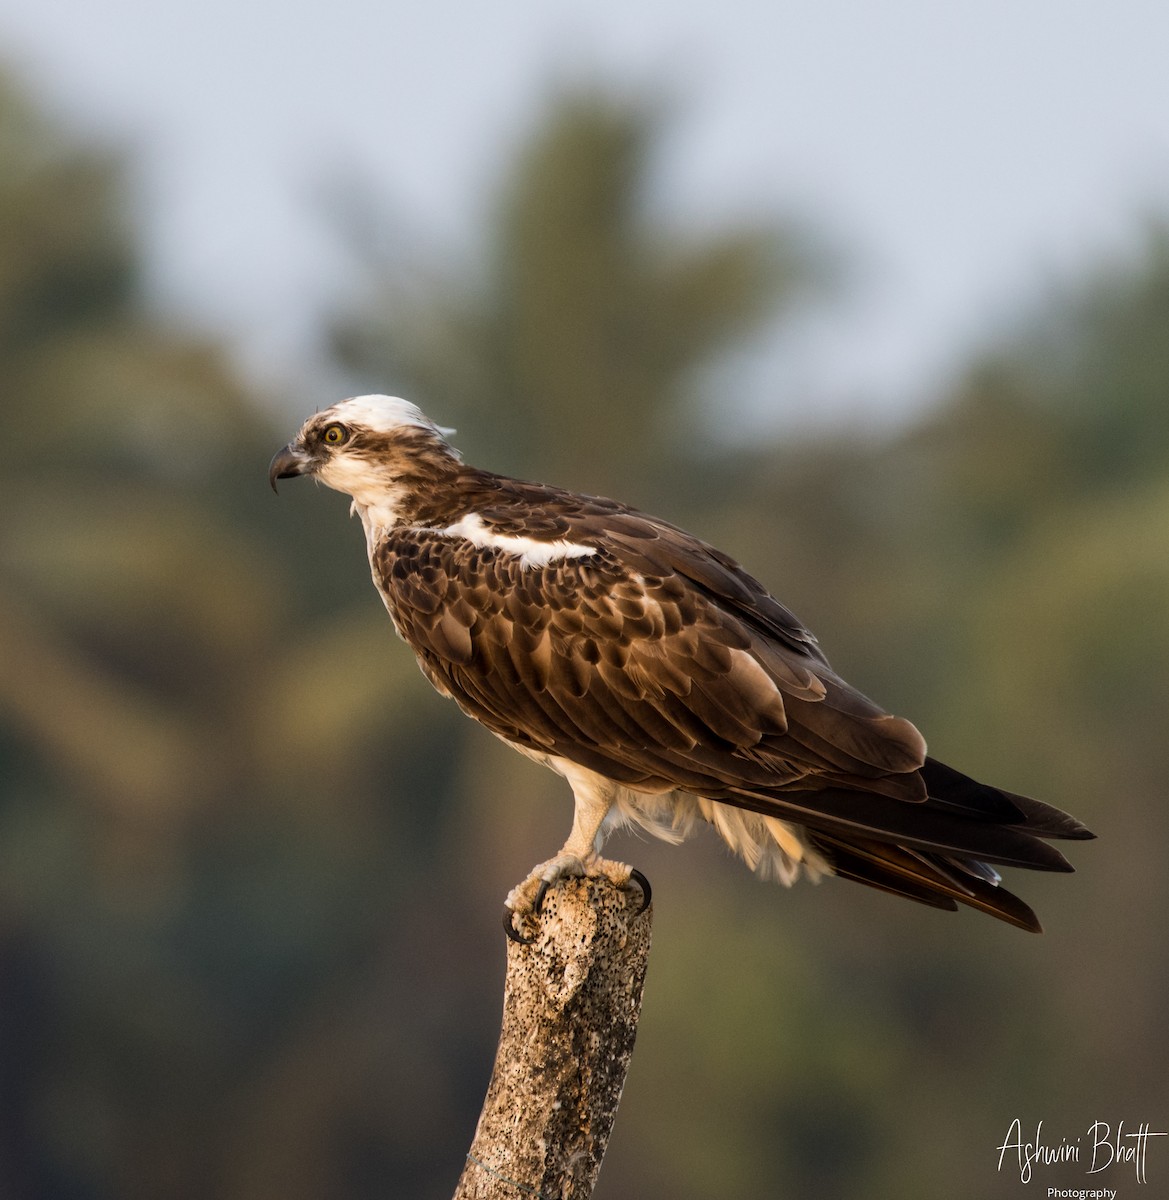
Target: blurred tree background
<point>251,867</point>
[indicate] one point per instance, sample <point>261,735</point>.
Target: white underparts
<point>772,848</point>
<point>531,553</point>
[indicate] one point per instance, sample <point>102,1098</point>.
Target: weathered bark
<point>570,1008</point>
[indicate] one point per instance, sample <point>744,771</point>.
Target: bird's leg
<point>576,857</point>
<point>580,855</point>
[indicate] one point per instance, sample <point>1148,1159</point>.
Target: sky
<point>960,156</point>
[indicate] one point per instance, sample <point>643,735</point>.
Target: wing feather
<point>622,661</point>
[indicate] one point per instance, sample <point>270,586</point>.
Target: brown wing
<point>654,679</point>
<point>646,672</point>
<point>645,544</point>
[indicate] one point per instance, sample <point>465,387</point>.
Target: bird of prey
<point>659,678</point>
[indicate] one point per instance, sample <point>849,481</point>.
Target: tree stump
<point>570,1009</point>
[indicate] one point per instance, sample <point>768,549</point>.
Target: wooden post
<point>570,1008</point>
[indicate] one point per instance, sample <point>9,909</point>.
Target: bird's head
<point>377,449</point>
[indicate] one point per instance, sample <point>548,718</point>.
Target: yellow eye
<point>336,435</point>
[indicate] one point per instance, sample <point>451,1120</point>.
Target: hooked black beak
<point>286,463</point>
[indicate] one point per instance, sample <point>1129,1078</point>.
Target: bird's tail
<point>938,851</point>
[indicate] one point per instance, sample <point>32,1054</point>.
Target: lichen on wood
<point>571,1005</point>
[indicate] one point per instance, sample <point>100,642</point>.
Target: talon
<point>541,892</point>
<point>514,933</point>
<point>646,890</point>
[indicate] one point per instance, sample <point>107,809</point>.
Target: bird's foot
<point>525,900</point>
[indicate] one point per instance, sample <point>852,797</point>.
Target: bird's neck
<point>378,515</point>
<point>433,497</point>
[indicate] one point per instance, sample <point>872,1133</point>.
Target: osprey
<point>658,677</point>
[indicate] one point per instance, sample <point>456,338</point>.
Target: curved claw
<point>514,933</point>
<point>541,892</point>
<point>646,890</point>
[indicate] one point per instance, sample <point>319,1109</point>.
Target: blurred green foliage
<point>251,868</point>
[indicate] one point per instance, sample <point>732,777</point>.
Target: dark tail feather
<point>924,877</point>
<point>961,794</point>
<point>934,851</point>
<point>930,825</point>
